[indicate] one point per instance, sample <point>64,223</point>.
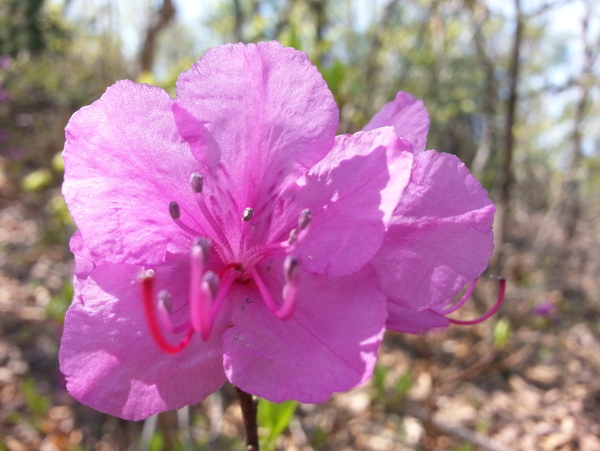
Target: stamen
<point>449,308</point>
<point>212,282</point>
<point>224,286</point>
<point>494,309</point>
<point>164,314</point>
<point>293,238</point>
<point>248,214</point>
<point>304,219</point>
<point>147,282</point>
<point>204,244</point>
<point>197,183</point>
<point>290,289</point>
<point>200,297</point>
<point>284,311</point>
<point>287,246</point>
<point>290,268</point>
<point>175,212</point>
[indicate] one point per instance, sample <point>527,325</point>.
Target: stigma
<point>214,268</point>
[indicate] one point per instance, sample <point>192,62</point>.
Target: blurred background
<point>512,89</point>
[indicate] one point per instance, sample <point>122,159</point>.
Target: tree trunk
<point>506,175</point>
<point>162,18</point>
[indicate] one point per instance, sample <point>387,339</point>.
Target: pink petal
<point>111,362</point>
<point>257,117</point>
<point>352,193</point>
<point>330,344</point>
<point>124,163</point>
<point>85,261</point>
<point>440,237</point>
<point>409,321</point>
<point>409,118</point>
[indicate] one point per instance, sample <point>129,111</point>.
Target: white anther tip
<point>197,182</point>
<point>304,219</point>
<point>248,214</point>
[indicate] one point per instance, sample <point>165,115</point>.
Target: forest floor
<point>524,380</point>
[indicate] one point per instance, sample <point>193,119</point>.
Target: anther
<point>164,300</point>
<point>211,280</point>
<point>174,210</point>
<point>248,214</point>
<point>290,268</point>
<point>293,238</point>
<point>203,244</point>
<point>197,182</point>
<point>304,219</point>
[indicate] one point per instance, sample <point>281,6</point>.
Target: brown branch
<point>490,96</point>
<point>249,412</point>
<point>163,17</point>
<point>238,14</point>
<point>506,174</point>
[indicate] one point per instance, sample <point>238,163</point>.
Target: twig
<point>249,411</point>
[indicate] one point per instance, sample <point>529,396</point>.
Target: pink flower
<point>287,215</point>
<point>272,252</point>
<point>440,235</point>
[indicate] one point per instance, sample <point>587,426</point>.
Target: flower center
<point>208,289</point>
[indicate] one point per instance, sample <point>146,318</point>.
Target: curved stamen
<point>197,183</point>
<point>213,293</point>
<point>284,311</point>
<point>288,245</point>
<point>290,289</point>
<point>175,212</point>
<point>147,283</point>
<point>200,295</point>
<point>304,218</point>
<point>494,309</point>
<point>449,308</point>
<point>224,286</point>
<point>163,309</point>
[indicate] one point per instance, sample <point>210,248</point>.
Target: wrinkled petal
<point>85,261</point>
<point>256,117</point>
<point>330,344</point>
<point>409,321</point>
<point>110,360</point>
<point>352,193</point>
<point>124,163</point>
<point>440,237</point>
<point>409,118</point>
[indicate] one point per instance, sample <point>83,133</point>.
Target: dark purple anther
<point>212,280</point>
<point>174,210</point>
<point>248,214</point>
<point>197,182</point>
<point>304,219</point>
<point>203,243</point>
<point>290,268</point>
<point>293,237</point>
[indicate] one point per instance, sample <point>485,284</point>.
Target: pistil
<point>147,282</point>
<point>494,309</point>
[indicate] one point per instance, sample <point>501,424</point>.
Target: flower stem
<point>249,411</point>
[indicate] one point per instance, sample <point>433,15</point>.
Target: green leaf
<point>273,418</point>
<point>502,333</point>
